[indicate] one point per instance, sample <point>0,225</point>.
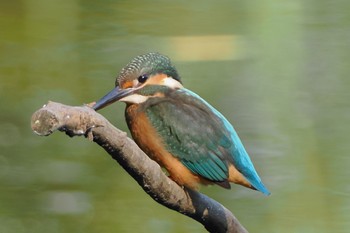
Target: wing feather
<point>192,134</point>
<point>198,135</point>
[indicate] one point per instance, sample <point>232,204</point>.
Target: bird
<point>178,129</point>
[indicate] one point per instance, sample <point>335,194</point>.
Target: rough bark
<point>84,121</point>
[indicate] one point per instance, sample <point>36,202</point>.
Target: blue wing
<point>239,155</point>
<point>201,137</point>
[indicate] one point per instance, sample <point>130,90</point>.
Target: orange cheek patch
<point>156,79</point>
<point>127,84</point>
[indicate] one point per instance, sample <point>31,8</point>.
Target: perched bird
<point>178,129</point>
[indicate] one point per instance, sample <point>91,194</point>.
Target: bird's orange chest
<point>145,135</point>
<point>150,142</point>
<point>142,132</point>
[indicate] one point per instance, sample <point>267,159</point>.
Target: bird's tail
<point>258,185</point>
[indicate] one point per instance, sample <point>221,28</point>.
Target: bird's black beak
<point>116,94</point>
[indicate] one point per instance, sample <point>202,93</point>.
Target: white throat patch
<point>134,99</point>
<point>172,83</point>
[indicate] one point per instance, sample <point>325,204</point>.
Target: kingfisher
<point>178,129</point>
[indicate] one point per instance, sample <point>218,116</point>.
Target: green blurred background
<point>278,70</point>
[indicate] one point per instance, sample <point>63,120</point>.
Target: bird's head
<point>139,80</point>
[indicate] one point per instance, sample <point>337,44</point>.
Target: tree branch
<point>75,121</point>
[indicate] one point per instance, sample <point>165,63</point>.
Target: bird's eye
<point>142,78</point>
